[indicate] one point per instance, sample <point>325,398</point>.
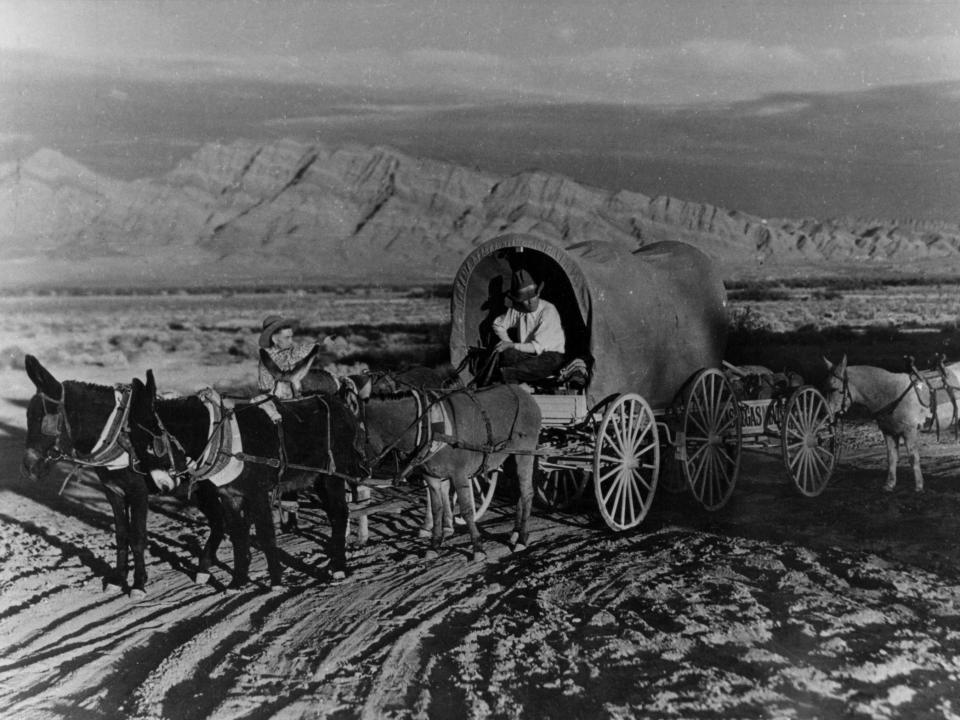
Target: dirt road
<point>847,605</point>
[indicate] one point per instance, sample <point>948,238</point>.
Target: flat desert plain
<point>776,606</point>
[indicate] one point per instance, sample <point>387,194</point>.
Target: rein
<point>886,409</point>
<point>112,444</point>
<point>426,436</point>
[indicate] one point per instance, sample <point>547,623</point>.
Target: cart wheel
<point>626,462</point>
<point>809,441</point>
<point>558,488</point>
<point>711,439</point>
<point>484,486</point>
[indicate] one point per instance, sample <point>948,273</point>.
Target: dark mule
<point>480,429</point>
<point>896,401</point>
<point>85,424</point>
<point>299,380</point>
<point>285,446</point>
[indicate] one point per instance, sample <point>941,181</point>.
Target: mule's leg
<point>464,486</point>
<point>912,445</point>
<point>519,539</point>
<point>447,507</point>
<point>258,506</point>
<point>338,512</point>
<point>121,530</point>
<point>138,508</point>
<point>426,527</point>
<point>239,537</point>
<point>208,502</point>
<point>434,486</point>
<point>893,458</point>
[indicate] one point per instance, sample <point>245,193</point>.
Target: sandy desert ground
<point>846,605</point>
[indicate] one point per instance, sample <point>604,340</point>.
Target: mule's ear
<point>364,386</point>
<point>151,386</point>
<point>301,369</point>
<point>828,364</point>
<point>269,364</point>
<point>41,377</point>
<point>843,362</point>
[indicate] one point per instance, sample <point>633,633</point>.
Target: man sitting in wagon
<point>531,343</point>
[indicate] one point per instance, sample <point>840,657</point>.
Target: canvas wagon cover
<point>645,320</point>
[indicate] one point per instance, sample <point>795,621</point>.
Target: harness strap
<point>952,394</point>
<point>917,379</point>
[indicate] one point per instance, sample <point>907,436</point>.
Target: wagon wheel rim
<point>483,486</point>
<point>809,441</point>
<point>712,439</point>
<point>626,462</point>
<point>558,488</point>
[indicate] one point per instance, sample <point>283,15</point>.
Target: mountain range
<point>289,212</point>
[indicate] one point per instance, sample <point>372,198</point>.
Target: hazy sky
<point>812,107</point>
<point>645,51</point>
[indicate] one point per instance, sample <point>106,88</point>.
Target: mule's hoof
<point>479,556</point>
<point>137,593</point>
<point>448,532</point>
<point>201,578</point>
<point>519,547</point>
<point>338,575</point>
<point>113,587</point>
<point>458,520</point>
<point>888,488</point>
<point>919,490</point>
<point>423,534</point>
<point>431,555</point>
<point>514,537</point>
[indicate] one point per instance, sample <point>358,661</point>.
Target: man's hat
<point>272,323</point>
<point>523,287</point>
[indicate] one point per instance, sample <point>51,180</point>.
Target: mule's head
<point>288,384</point>
<point>47,434</point>
<point>836,387</point>
<point>157,456</point>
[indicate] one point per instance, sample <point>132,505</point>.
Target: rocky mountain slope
<point>293,212</point>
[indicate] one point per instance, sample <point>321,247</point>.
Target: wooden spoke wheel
<point>484,486</point>
<point>711,439</point>
<point>809,441</point>
<point>558,488</point>
<point>626,462</point>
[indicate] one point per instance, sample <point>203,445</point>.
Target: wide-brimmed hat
<point>523,287</point>
<point>272,323</point>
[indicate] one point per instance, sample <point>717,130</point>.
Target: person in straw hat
<point>531,340</point>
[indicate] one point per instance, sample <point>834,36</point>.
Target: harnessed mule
<point>455,435</point>
<point>237,455</point>
<point>86,425</point>
<point>896,401</point>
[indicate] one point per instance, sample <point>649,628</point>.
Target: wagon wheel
<point>711,439</point>
<point>558,488</point>
<point>484,487</point>
<point>809,441</point>
<point>626,462</point>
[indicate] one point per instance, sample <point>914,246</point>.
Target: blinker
<point>50,425</point>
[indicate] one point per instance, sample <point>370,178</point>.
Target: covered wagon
<point>649,326</point>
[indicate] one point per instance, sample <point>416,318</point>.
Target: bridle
<point>109,447</point>
<point>846,398</point>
